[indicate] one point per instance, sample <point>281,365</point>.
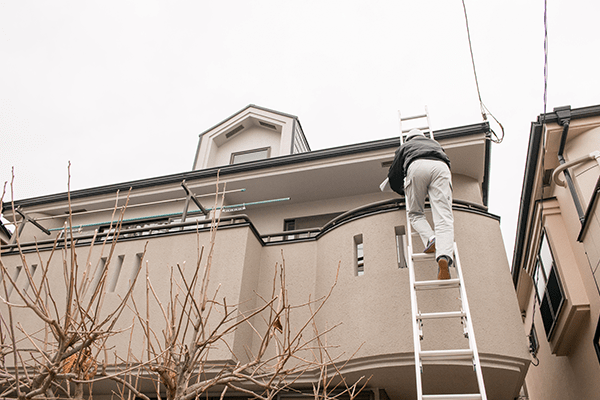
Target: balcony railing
<point>153,227</point>
<point>140,230</point>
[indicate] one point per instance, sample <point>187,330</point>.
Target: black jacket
<point>417,147</point>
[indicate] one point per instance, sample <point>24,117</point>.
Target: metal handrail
<point>128,233</point>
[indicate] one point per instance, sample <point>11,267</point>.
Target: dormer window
<point>250,155</point>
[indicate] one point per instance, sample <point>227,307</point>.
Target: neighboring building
<point>557,254</point>
<point>321,208</point>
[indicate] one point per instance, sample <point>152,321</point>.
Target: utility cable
<point>543,133</point>
<point>484,110</point>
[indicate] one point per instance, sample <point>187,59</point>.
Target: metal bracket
<point>26,218</point>
<point>190,196</point>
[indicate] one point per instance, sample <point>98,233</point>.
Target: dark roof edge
<point>450,133</point>
<point>485,185</point>
<point>576,113</point>
<point>525,203</point>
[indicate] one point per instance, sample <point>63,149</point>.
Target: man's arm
<point>396,172</point>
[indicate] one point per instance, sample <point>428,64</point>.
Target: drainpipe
<point>564,119</point>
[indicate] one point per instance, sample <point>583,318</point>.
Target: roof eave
<point>474,129</point>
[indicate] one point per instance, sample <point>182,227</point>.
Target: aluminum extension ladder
<point>422,119</point>
<point>423,356</point>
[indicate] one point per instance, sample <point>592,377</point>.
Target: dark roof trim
<point>577,113</point>
<point>485,185</point>
<point>375,145</point>
<point>526,192</point>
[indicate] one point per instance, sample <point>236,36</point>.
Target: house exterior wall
<point>370,311</point>
<point>373,309</point>
<point>214,148</point>
<point>249,139</point>
<point>567,365</point>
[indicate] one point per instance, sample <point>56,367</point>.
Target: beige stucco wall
<point>373,309</point>
<point>268,219</point>
<point>573,375</point>
<point>585,174</point>
<point>249,139</point>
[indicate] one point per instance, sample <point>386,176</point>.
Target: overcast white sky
<point>123,88</point>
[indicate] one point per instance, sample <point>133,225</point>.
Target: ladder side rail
<point>414,308</point>
<point>401,131</point>
<point>469,325</point>
<point>429,123</point>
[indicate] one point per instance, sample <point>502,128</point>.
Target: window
<point>400,246</point>
<point>250,155</point>
<point>548,286</point>
<point>289,225</point>
<point>359,255</point>
<point>311,221</point>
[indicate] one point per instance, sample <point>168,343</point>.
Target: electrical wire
<point>484,110</point>
<point>543,133</point>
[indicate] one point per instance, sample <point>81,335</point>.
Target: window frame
<point>552,286</point>
<point>245,152</point>
<point>359,255</point>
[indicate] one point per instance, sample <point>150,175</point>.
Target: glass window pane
<point>546,255</point>
<point>555,293</point>
<point>546,316</point>
<point>540,281</point>
<point>250,156</point>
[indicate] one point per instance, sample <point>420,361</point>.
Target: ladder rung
<point>441,355</point>
<point>448,314</point>
<point>413,117</point>
<point>423,256</point>
<point>470,396</point>
<point>425,129</point>
<point>437,284</point>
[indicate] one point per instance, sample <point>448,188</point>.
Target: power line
<point>484,110</point>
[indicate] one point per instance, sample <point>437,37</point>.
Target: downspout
<point>564,119</point>
<point>485,185</point>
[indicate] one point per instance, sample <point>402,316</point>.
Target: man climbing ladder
<point>426,167</point>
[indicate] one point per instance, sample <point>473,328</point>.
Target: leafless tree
<point>54,360</point>
<point>69,353</point>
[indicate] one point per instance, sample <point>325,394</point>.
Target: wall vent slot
<point>387,164</point>
<point>234,131</point>
<point>266,125</point>
<point>114,277</point>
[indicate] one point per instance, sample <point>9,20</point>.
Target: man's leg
<point>440,198</point>
<point>417,181</point>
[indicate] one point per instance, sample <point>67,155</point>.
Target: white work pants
<point>431,178</point>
